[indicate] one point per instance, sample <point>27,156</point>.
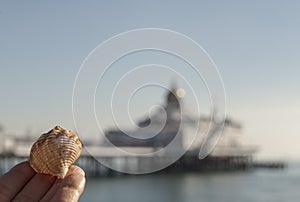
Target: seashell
<point>54,152</point>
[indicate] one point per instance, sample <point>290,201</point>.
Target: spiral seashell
<point>55,151</point>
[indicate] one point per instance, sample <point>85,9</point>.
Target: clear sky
<point>255,44</point>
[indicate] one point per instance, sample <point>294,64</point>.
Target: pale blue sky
<point>255,44</point>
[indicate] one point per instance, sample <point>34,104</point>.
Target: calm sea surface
<point>253,186</point>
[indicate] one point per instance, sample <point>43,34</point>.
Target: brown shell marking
<point>55,151</point>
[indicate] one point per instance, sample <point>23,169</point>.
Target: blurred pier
<point>189,162</point>
<point>269,165</point>
<point>224,148</point>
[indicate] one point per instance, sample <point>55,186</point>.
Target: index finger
<point>14,180</point>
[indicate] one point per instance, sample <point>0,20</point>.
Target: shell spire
<point>55,151</point>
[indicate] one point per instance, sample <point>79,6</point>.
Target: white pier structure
<point>229,144</point>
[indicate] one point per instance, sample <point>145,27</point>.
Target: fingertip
<point>76,178</point>
<point>72,186</point>
<point>73,169</point>
<point>23,167</point>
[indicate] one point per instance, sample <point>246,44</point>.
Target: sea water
<point>260,185</point>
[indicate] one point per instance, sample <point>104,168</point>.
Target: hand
<point>22,183</point>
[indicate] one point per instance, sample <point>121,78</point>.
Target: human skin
<point>22,183</point>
